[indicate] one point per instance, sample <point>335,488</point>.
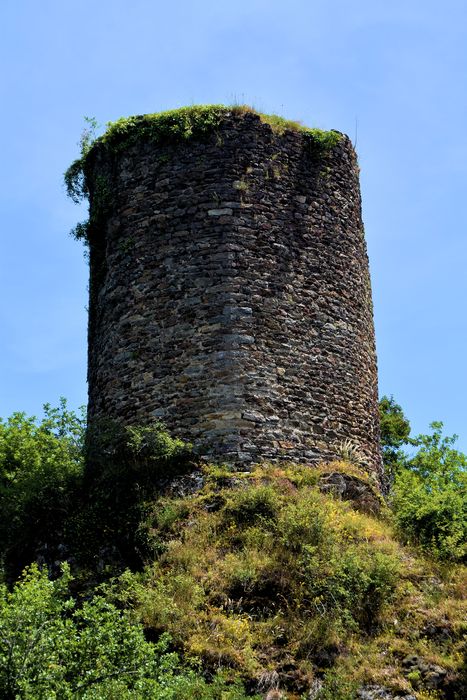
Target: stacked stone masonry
<point>230,295</point>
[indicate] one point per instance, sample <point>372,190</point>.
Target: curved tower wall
<point>230,295</point>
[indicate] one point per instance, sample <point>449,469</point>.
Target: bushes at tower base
<point>48,499</point>
<point>287,588</point>
<point>428,492</point>
<point>262,563</point>
<point>41,467</point>
<point>256,573</point>
<point>429,496</point>
<point>60,499</point>
<point>53,648</point>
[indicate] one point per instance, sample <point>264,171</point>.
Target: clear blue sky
<point>390,74</point>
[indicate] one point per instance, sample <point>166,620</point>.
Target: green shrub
<point>41,466</point>
<point>351,584</point>
<point>337,573</point>
<point>395,432</point>
<point>304,521</point>
<point>429,497</point>
<point>140,451</point>
<point>171,514</point>
<point>247,506</point>
<point>336,686</point>
<point>53,649</point>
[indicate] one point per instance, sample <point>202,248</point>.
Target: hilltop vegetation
<point>196,581</point>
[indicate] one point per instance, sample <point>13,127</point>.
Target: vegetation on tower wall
<point>172,126</point>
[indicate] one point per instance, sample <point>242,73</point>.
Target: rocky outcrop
<point>351,488</point>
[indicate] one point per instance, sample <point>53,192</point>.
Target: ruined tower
<point>230,293</point>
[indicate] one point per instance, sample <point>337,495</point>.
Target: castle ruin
<point>230,292</point>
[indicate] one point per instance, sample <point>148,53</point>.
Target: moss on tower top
<point>187,122</point>
<point>178,125</point>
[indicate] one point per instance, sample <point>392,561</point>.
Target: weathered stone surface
<point>378,692</point>
<point>230,295</point>
<point>434,677</point>
<point>351,488</point>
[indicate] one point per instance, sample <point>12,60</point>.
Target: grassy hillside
<point>197,581</point>
<point>286,587</point>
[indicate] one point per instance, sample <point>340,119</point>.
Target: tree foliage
<point>395,432</point>
<point>429,496</point>
<point>428,486</point>
<point>54,649</point>
<point>41,463</point>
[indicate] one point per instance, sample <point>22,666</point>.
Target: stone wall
<point>230,295</point>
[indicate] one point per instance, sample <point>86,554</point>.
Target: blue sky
<point>391,75</point>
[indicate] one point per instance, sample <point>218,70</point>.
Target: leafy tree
<point>41,463</point>
<point>428,489</point>
<point>53,649</point>
<point>395,432</point>
<point>30,625</point>
<point>429,495</point>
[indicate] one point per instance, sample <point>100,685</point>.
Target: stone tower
<point>230,290</point>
